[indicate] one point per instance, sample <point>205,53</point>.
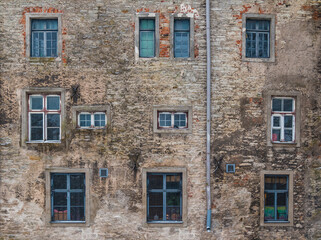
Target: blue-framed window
<point>68,197</point>
<point>44,33</point>
<point>181,38</point>
<point>276,195</point>
<point>164,197</point>
<point>257,38</point>
<point>146,38</point>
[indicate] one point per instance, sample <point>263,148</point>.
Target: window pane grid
<point>168,205</point>
<point>92,120</point>
<point>257,38</point>
<point>172,120</point>
<point>44,37</point>
<point>181,38</point>
<point>147,38</point>
<point>68,211</point>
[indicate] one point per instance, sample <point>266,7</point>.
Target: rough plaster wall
<point>99,56</point>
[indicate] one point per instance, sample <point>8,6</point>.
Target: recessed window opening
<point>172,120</point>
<point>181,38</point>
<point>257,38</point>
<point>146,38</point>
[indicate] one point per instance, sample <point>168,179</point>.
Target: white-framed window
<point>44,118</point>
<point>283,120</point>
<point>172,119</point>
<point>92,119</point>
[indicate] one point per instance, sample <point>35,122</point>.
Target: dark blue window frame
<point>169,210</point>
<point>257,38</point>
<point>181,38</point>
<point>44,38</point>
<point>276,198</point>
<point>68,201</point>
<point>146,37</point>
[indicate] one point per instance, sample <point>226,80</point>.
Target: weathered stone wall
<point>98,54</point>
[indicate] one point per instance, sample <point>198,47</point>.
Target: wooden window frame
<point>183,31</point>
<point>172,119</point>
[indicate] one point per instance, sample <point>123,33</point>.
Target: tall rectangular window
<point>147,38</point>
<point>44,33</point>
<point>67,197</point>
<point>283,120</point>
<point>164,197</point>
<point>44,117</point>
<point>181,38</point>
<point>257,38</point>
<point>276,195</point>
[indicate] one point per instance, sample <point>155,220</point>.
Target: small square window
<point>92,120</point>
<point>103,172</point>
<point>230,168</point>
<point>172,120</point>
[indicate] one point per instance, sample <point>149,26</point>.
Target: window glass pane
<point>53,134</point>
<point>155,181</point>
<point>38,24</point>
<point>288,120</point>
<point>173,206</point>
<point>53,103</point>
<point>173,181</point>
<point>179,120</point>
<point>60,199</point>
<point>288,105</point>
<point>59,181</point>
<point>146,24</point>
<point>165,119</point>
<point>250,24</point>
<point>155,203</point>
<point>281,183</point>
<point>36,102</point>
<point>53,120</point>
<point>276,121</point>
<point>77,181</point>
<point>269,210</point>
<point>276,104</point>
<point>147,44</point>
<point>281,206</point>
<point>85,120</point>
<point>36,120</point>
<point>60,214</point>
<point>77,213</point>
<point>276,134</point>
<point>36,134</point>
<point>269,183</point>
<point>181,25</point>
<point>288,135</point>
<point>99,120</point>
<point>77,199</point>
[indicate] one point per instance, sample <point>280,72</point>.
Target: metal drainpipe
<point>208,117</point>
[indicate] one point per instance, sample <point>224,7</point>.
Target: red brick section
<point>42,10</point>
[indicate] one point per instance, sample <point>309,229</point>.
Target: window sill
<point>43,142</point>
<point>44,59</point>
<point>173,131</point>
<point>68,224</point>
<point>166,224</point>
<point>283,145</point>
<point>277,224</point>
<point>259,60</point>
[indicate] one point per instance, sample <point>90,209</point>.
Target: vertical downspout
<point>208,117</point>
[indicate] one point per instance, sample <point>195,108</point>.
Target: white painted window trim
<point>92,120</point>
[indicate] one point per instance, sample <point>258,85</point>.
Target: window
<point>283,120</point>
<point>91,117</point>
<point>43,112</point>
<point>181,38</point>
<point>92,120</point>
<point>277,202</point>
<point>67,196</point>
<point>44,33</point>
<point>147,35</point>
<point>164,192</point>
<point>44,118</point>
<point>258,37</point>
<point>172,119</point>
<point>147,38</point>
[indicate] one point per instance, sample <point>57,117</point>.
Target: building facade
<point>103,119</point>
